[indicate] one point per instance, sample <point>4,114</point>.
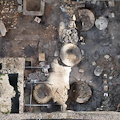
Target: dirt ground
<point>24,40</point>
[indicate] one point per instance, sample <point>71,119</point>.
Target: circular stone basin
<point>87,18</point>
<point>101,23</point>
<point>80,92</point>
<point>70,54</point>
<point>42,93</point>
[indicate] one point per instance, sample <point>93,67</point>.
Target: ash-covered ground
<point>26,38</point>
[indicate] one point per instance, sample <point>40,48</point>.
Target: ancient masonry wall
<point>12,66</point>
<point>66,115</point>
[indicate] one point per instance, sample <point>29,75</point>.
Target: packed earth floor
<point>26,38</point>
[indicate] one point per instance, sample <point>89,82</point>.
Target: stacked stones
<point>69,36</point>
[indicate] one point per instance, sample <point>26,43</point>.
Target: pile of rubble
<point>37,76</point>
<point>9,14</point>
<point>68,9</point>
<point>69,36</point>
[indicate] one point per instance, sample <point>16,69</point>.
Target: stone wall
<point>13,66</point>
<point>66,115</point>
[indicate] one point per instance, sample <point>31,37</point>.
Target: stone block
<point>34,8</point>
<point>41,56</point>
